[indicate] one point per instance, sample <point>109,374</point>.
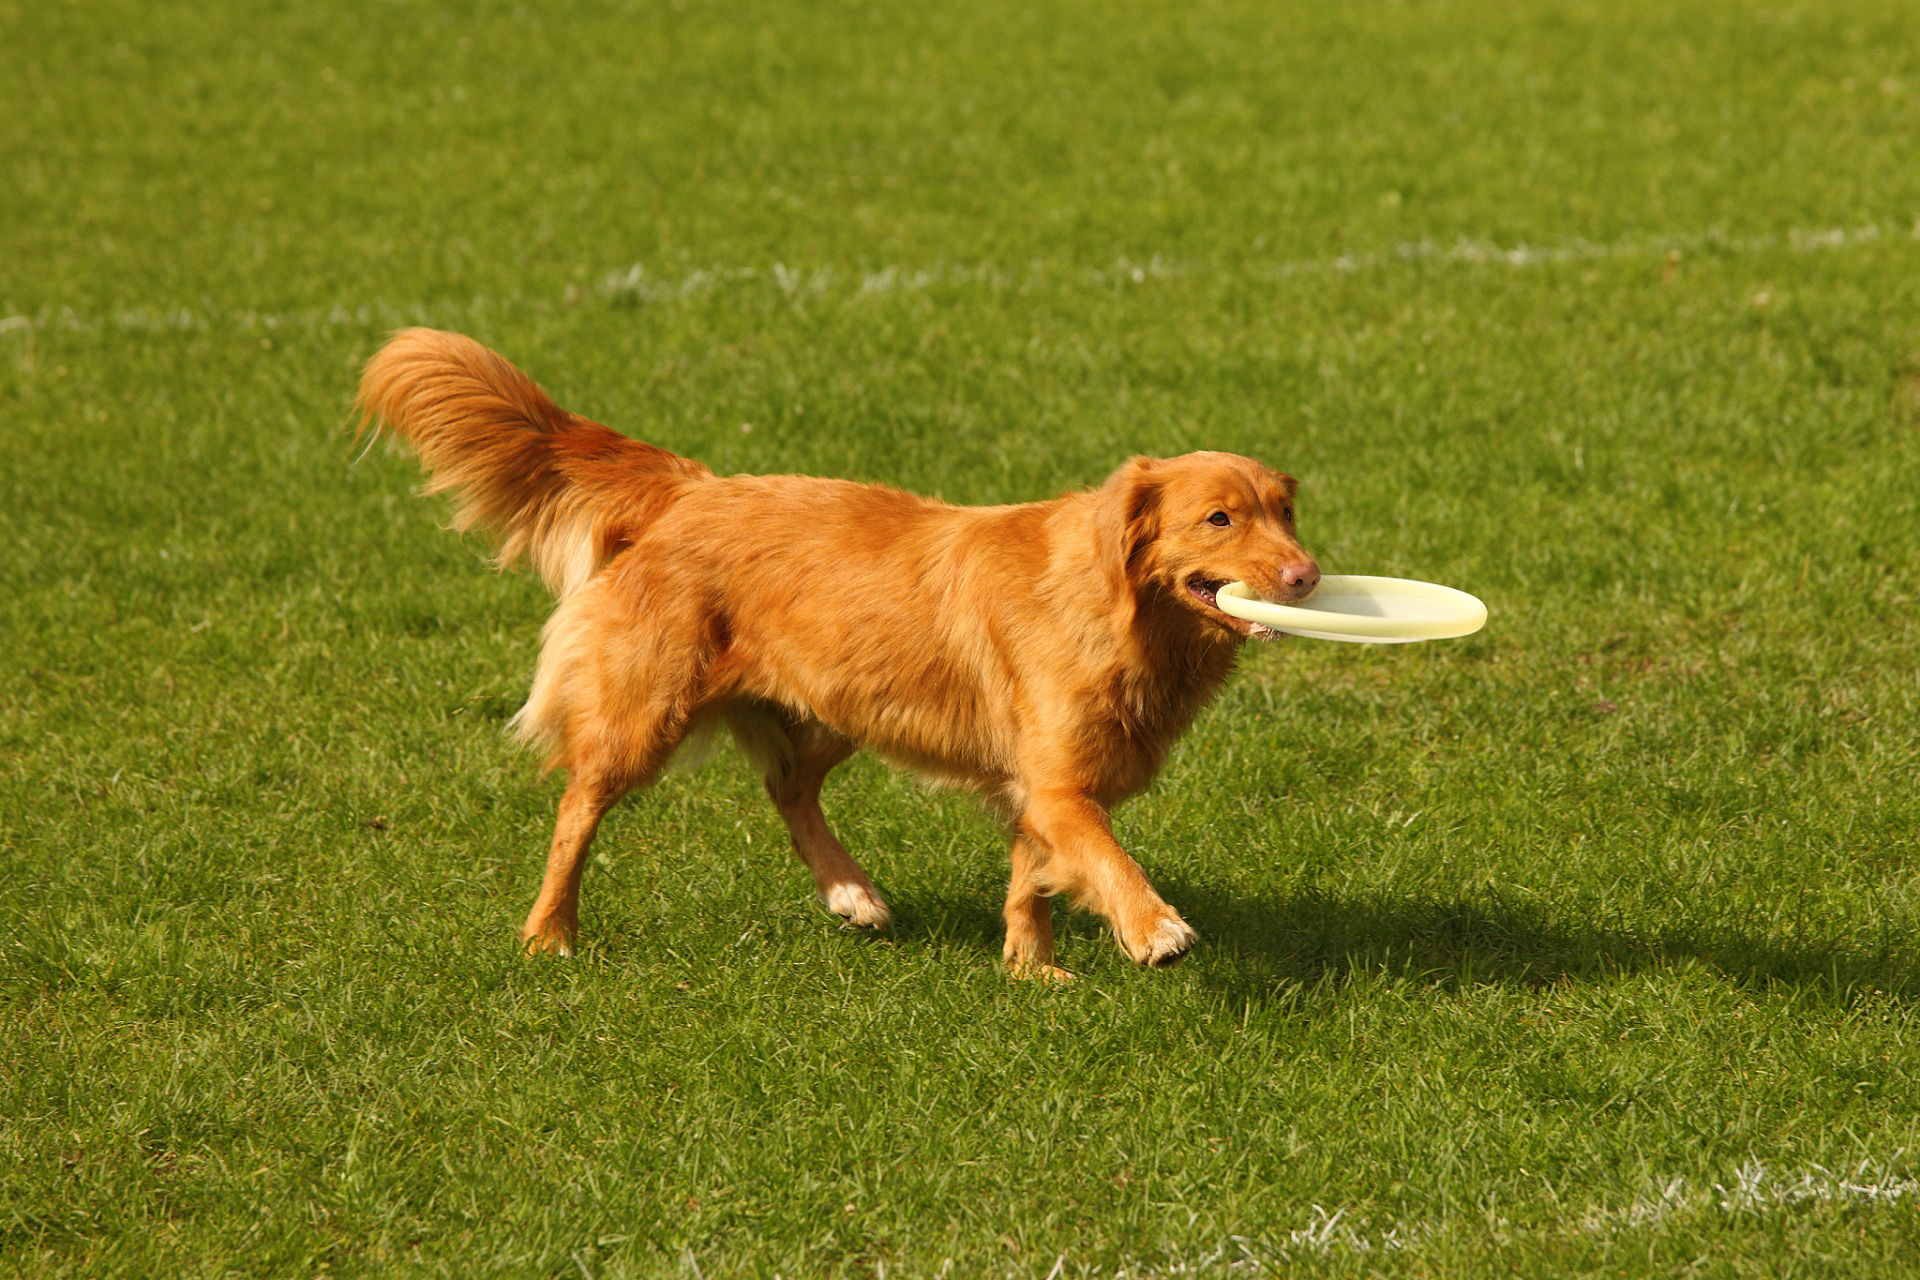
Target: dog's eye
<point>1220,518</point>
<point>1288,513</point>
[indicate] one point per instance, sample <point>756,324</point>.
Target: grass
<point>1584,946</point>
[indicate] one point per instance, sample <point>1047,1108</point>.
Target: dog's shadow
<point>1261,947</point>
<point>1271,943</point>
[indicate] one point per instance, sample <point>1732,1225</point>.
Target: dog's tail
<point>566,492</point>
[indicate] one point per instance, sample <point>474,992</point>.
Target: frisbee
<point>1363,610</point>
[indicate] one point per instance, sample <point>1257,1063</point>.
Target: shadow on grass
<point>1259,946</point>
<point>1265,944</point>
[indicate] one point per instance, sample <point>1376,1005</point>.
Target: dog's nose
<point>1302,576</point>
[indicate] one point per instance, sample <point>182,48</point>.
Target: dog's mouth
<point>1207,592</point>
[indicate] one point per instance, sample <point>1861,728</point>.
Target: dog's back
<point>894,618</point>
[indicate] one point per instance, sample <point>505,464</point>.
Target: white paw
<point>859,904</point>
<point>1169,942</point>
<point>547,944</point>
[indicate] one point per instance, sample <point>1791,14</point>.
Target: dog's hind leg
<point>606,762</point>
<point>796,763</point>
<point>555,917</point>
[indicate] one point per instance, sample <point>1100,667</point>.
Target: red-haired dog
<point>1045,655</point>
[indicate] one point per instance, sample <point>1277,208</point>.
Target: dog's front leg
<point>1029,913</point>
<point>1084,860</point>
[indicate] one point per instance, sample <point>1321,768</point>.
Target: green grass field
<point>1584,946</point>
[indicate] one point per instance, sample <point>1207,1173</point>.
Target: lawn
<point>1583,946</point>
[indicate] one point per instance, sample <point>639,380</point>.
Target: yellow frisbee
<point>1363,610</point>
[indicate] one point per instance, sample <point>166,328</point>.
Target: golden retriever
<point>1045,655</point>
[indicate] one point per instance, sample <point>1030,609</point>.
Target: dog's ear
<point>1127,518</point>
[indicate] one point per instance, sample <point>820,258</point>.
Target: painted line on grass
<point>1751,1192</point>
<point>1754,1189</point>
<point>636,285</point>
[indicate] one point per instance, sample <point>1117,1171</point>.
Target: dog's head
<point>1179,529</point>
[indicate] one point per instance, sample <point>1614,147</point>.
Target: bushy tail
<point>566,492</point>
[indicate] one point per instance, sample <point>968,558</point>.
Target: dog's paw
<point>1166,944</point>
<point>548,942</point>
<point>1038,971</point>
<point>859,905</point>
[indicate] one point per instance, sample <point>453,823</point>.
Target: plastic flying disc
<point>1363,610</point>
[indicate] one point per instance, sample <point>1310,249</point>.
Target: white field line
<point>637,285</point>
<point>1752,1192</point>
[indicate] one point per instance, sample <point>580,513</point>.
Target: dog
<point>1045,655</point>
